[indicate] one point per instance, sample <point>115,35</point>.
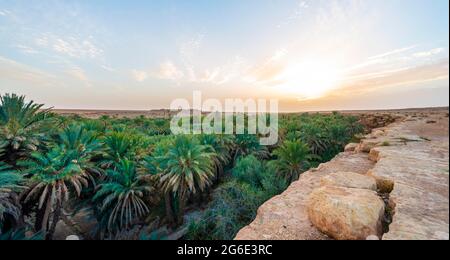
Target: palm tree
<point>160,126</point>
<point>118,146</point>
<point>245,144</point>
<point>21,125</point>
<point>292,159</point>
<point>10,182</point>
<point>219,147</point>
<point>315,137</point>
<point>123,197</point>
<point>155,164</point>
<point>188,168</point>
<point>20,234</point>
<point>67,166</point>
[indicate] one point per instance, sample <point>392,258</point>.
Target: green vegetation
<point>132,174</point>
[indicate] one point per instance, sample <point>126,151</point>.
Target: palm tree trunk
<point>181,204</point>
<point>56,217</point>
<point>44,215</point>
<point>169,210</point>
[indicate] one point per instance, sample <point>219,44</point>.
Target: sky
<point>143,54</point>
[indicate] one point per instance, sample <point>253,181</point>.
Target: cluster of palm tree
<point>22,126</point>
<point>124,170</point>
<point>85,155</point>
<point>55,176</point>
<point>324,135</point>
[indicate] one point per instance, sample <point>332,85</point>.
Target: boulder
<point>365,146</point>
<point>346,213</point>
<point>351,147</point>
<point>349,180</point>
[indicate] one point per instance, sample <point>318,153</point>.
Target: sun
<point>309,79</point>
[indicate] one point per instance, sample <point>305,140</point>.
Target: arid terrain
<point>165,113</point>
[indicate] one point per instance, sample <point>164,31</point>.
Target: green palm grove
<point>132,174</point>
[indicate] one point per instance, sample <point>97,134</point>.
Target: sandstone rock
<point>346,213</point>
<point>374,155</point>
<point>349,180</point>
<point>351,147</point>
<point>377,133</point>
<point>372,237</point>
<point>365,146</point>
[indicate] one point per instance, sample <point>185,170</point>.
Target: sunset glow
<point>310,79</point>
<point>310,54</point>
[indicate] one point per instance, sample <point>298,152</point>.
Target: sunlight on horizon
<point>309,79</point>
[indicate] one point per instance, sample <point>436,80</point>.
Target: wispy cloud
<point>402,76</point>
<point>108,68</point>
<point>187,51</point>
<point>76,48</point>
<point>189,70</point>
<point>392,52</point>
<point>428,53</point>
<point>79,74</point>
<point>27,49</point>
<point>168,70</point>
<point>4,12</point>
<point>232,70</point>
<point>298,12</point>
<point>392,60</point>
<point>15,71</point>
<point>267,72</point>
<point>139,75</point>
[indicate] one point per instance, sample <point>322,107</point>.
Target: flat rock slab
<point>349,180</point>
<point>419,171</point>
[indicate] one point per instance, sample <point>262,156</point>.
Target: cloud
<point>76,48</point>
<point>189,48</point>
<point>27,49</point>
<point>139,75</point>
<point>15,71</point>
<point>404,76</point>
<point>428,53</point>
<point>298,12</point>
<point>42,41</point>
<point>79,74</point>
<point>392,60</point>
<point>168,70</point>
<point>218,75</point>
<point>392,52</point>
<point>108,68</point>
<point>187,51</point>
<point>268,72</point>
<point>232,70</point>
<point>4,12</point>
